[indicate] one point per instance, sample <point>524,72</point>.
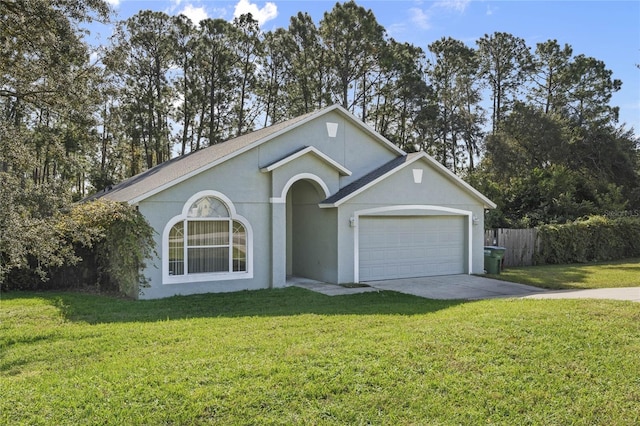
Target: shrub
<point>119,238</point>
<point>110,242</point>
<point>596,238</point>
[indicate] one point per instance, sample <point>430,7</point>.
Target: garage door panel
<point>405,247</point>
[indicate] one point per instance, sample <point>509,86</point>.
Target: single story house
<point>321,196</point>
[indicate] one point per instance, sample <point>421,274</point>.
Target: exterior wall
<point>305,167</point>
<point>399,189</point>
<point>352,147</point>
<point>248,189</point>
<point>281,206</point>
<point>252,193</point>
<point>313,239</point>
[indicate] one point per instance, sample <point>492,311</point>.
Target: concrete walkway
<point>625,293</point>
<point>465,287</point>
<point>325,288</point>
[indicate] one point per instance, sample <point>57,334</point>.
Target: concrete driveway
<point>467,287</point>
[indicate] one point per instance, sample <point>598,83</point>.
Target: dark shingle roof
<point>366,179</point>
<point>169,172</point>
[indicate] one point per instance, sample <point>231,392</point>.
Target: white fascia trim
<point>294,179</point>
<point>439,167</point>
<point>218,276</point>
<point>378,210</point>
<point>308,150</point>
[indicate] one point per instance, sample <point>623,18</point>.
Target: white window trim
<point>354,223</point>
<point>213,276</point>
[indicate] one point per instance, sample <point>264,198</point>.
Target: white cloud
<point>196,14</point>
<point>266,13</point>
<point>457,5</point>
<point>114,3</point>
<point>397,30</point>
<point>421,18</point>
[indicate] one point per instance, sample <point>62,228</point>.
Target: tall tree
<point>353,39</point>
<point>551,76</point>
<point>528,139</point>
<point>274,75</point>
<point>548,169</point>
<point>308,88</point>
<point>248,45</point>
<point>590,91</point>
<point>215,63</point>
<point>143,53</point>
<point>186,84</point>
<point>400,95</point>
<point>47,106</point>
<point>454,75</point>
<point>111,159</point>
<point>504,62</point>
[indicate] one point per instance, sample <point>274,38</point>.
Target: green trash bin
<point>493,259</point>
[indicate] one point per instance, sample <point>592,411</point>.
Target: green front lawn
<point>295,357</point>
<point>621,273</point>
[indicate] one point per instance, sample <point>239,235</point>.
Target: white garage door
<point>407,247</point>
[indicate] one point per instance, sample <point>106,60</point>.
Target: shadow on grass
<point>576,276</point>
<point>558,277</point>
<point>96,309</point>
<point>553,277</point>
<point>632,269</point>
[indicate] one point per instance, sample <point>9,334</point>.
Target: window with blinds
<point>207,242</point>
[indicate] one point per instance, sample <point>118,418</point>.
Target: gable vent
<point>332,129</point>
<point>417,175</point>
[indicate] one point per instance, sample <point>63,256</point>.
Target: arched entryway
<point>310,233</point>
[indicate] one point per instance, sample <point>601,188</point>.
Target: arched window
<point>207,239</point>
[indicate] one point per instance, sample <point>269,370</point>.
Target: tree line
<point>532,127</point>
<point>182,86</point>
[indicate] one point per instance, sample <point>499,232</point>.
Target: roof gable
<point>392,167</point>
<point>179,169</point>
<point>309,150</point>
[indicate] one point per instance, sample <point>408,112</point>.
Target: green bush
<point>119,238</point>
<point>110,242</point>
<point>594,239</point>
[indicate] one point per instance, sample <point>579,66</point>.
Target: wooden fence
<point>520,243</point>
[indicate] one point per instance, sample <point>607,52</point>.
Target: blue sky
<point>606,30</point>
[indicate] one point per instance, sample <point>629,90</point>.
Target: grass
<point>291,356</point>
<point>622,273</point>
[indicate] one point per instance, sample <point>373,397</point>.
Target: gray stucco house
<point>321,196</point>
